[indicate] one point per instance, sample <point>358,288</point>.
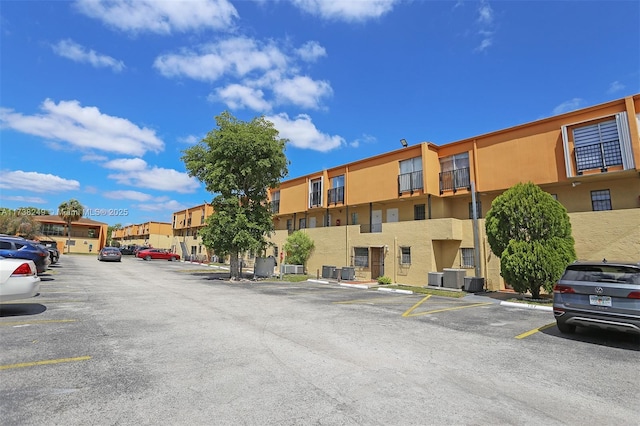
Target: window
<point>315,193</point>
<point>91,233</point>
<point>336,193</point>
<point>468,258</point>
<point>419,212</point>
<point>354,218</point>
<point>275,202</point>
<point>51,229</point>
<point>597,146</point>
<point>202,218</point>
<point>410,177</point>
<point>302,223</point>
<point>478,209</point>
<point>405,255</point>
<point>289,224</point>
<point>454,172</point>
<point>601,200</point>
<point>275,252</point>
<point>361,257</point>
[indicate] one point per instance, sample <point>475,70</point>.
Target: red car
<point>149,254</point>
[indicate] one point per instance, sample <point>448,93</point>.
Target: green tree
<point>18,222</point>
<point>298,248</point>
<point>110,230</point>
<point>531,233</point>
<point>70,211</point>
<point>239,161</point>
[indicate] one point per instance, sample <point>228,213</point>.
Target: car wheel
<point>566,328</point>
<point>147,257</point>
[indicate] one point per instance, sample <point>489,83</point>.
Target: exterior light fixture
<point>404,143</point>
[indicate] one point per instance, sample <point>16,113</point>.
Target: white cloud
<point>302,91</point>
<point>614,87</point>
<point>236,96</point>
<point>127,195</point>
<point>72,50</point>
<point>157,178</point>
<point>485,14</point>
<point>486,23</point>
<point>570,105</point>
<point>31,200</point>
<point>83,127</point>
<point>302,133</point>
<point>190,139</point>
<point>168,206</point>
<point>126,164</point>
<point>236,56</point>
<point>311,51</point>
<point>36,182</point>
<point>363,139</point>
<point>349,11</point>
<point>264,72</point>
<point>162,17</point>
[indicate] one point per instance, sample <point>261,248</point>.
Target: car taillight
<point>23,269</point>
<point>634,295</point>
<point>558,288</point>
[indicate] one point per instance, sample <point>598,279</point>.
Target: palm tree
<point>70,211</point>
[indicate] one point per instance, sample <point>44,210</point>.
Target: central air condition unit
<point>293,269</point>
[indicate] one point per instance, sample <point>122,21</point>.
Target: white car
<point>18,279</point>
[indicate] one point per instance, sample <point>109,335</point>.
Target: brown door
<point>377,262</point>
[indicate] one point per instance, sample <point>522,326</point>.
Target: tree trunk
<point>68,238</point>
<point>535,291</point>
<point>233,266</point>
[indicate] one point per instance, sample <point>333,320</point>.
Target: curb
<point>526,306</point>
<point>394,290</point>
<point>355,285</point>
<point>318,281</point>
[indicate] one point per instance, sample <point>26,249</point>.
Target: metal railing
<point>335,195</point>
<point>598,156</point>
<point>275,206</point>
<point>454,180</point>
<point>409,182</point>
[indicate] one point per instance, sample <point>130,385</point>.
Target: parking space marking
<point>17,323</point>
<point>45,362</point>
<point>411,309</point>
<point>372,301</point>
<point>534,331</point>
<point>446,309</point>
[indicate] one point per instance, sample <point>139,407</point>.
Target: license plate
<point>600,300</point>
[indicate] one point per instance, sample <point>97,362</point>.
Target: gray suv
<point>604,295</point>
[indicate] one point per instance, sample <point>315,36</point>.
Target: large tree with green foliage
<point>19,222</point>
<point>531,233</point>
<point>239,161</point>
<point>298,248</point>
<point>70,211</point>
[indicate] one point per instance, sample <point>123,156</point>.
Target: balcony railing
<point>409,182</point>
<point>275,206</point>
<point>335,195</point>
<point>454,180</point>
<point>598,156</point>
<point>315,198</point>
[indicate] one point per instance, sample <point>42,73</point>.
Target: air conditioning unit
<point>293,269</point>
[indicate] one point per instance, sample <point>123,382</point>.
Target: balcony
<point>275,207</point>
<point>315,198</point>
<point>335,195</point>
<point>454,180</point>
<point>600,155</point>
<point>409,182</point>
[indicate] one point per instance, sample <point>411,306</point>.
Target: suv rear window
<point>602,273</point>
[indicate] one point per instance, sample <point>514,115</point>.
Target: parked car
<point>52,246</point>
<point>20,248</point>
<point>110,254</point>
<point>18,279</point>
<point>149,254</point>
<point>127,250</point>
<point>604,295</point>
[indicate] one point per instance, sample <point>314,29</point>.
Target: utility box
<point>348,273</point>
<point>292,269</point>
<point>264,267</point>
<point>328,271</point>
<point>435,279</point>
<point>473,284</point>
<point>453,278</point>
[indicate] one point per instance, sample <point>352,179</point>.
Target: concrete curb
<point>318,281</point>
<point>526,306</point>
<point>394,290</point>
<point>354,285</point>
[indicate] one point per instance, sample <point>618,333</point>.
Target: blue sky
<point>99,98</point>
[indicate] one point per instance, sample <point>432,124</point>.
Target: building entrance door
<point>377,262</point>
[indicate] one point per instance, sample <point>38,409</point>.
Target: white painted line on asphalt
<point>526,306</point>
<point>395,290</point>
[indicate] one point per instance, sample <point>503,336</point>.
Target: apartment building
<point>421,208</point>
<point>154,234</point>
<point>185,227</point>
<point>87,236</point>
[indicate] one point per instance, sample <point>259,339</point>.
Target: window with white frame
<point>467,257</point>
<point>410,177</point>
<point>361,257</point>
<point>601,200</point>
<point>315,193</point>
<point>336,193</point>
<point>405,255</point>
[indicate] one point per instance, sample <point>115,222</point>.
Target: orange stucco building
<point>409,212</point>
<point>153,234</point>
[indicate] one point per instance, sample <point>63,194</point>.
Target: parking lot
<point>171,342</point>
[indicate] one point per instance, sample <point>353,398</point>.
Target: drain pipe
<point>476,231</point>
